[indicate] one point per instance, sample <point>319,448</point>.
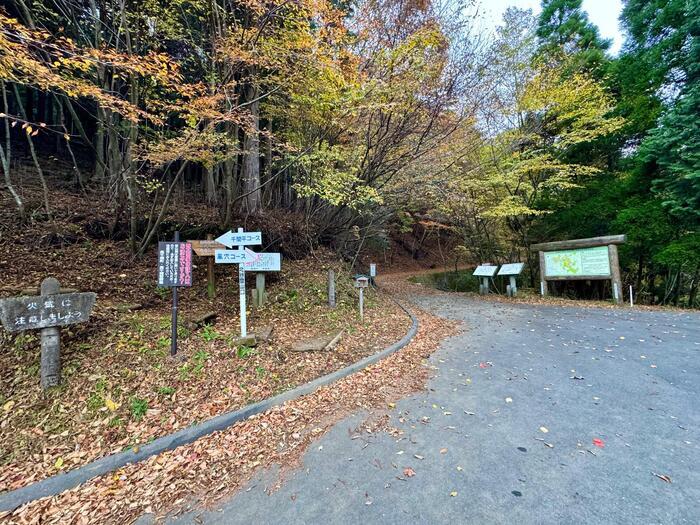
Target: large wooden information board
<point>581,259</point>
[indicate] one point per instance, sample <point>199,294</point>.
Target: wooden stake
<point>211,283</point>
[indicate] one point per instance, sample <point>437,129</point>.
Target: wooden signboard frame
<point>610,241</point>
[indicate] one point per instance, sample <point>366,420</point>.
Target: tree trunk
<point>32,150</point>
<point>5,156</point>
<point>250,174</point>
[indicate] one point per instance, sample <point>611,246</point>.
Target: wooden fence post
<point>331,288</point>
<point>211,283</point>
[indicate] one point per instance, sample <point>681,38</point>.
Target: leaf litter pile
<point>120,387</point>
<point>221,463</point>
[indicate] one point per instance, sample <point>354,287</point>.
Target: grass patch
<point>459,281</point>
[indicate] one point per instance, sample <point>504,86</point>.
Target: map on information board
<point>592,262</point>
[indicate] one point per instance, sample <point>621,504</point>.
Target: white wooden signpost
<point>511,270</point>
<point>485,271</point>
<point>247,260</point>
<point>362,282</point>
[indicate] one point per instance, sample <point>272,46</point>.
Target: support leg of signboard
<point>50,343</point>
<point>241,292</point>
<point>259,295</point>
<point>173,321</point>
<point>211,283</point>
<point>615,273</point>
<point>513,286</point>
<point>543,282</point>
<point>485,285</point>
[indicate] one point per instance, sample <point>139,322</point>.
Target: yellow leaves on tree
<point>557,111</point>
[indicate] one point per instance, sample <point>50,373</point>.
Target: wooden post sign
<point>47,313</point>
<point>581,259</point>
<point>207,248</point>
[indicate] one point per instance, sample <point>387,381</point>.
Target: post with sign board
<point>241,293</point>
<point>47,312</point>
<point>247,260</point>
<point>511,270</point>
<point>174,271</point>
<point>589,259</point>
<point>485,272</point>
<point>362,282</point>
<point>207,248</point>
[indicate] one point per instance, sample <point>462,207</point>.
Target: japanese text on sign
<point>264,262</point>
<point>174,264</point>
<point>32,313</point>
<point>233,256</point>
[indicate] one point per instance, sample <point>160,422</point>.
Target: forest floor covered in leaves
<point>120,387</point>
<point>218,464</point>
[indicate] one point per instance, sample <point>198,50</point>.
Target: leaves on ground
<point>219,464</point>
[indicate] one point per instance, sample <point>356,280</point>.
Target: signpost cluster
<point>247,260</point>
<point>488,271</point>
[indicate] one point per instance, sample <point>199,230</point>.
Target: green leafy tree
<point>564,28</point>
<point>672,150</point>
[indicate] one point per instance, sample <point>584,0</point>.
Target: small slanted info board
<point>485,271</point>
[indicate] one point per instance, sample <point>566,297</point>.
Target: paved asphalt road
<point>519,378</point>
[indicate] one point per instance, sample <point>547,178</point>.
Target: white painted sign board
<point>233,256</point>
<point>240,238</point>
<point>485,271</point>
<point>372,270</point>
<point>264,262</point>
<point>511,269</point>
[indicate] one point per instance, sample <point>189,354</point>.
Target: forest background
<point>354,121</point>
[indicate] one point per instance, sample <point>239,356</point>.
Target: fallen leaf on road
<point>663,477</point>
<point>453,493</point>
<point>509,400</point>
<point>544,429</point>
<point>460,469</point>
<point>598,442</point>
<point>484,365</point>
<point>443,451</point>
<point>409,472</point>
<point>418,456</point>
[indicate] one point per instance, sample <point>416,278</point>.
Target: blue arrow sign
<point>231,239</point>
<point>233,256</point>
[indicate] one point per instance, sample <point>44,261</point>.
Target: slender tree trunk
<point>5,156</point>
<point>32,150</point>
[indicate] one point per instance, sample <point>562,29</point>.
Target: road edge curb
<point>54,485</point>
